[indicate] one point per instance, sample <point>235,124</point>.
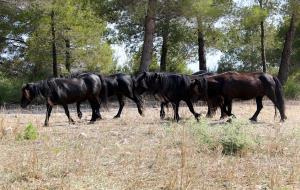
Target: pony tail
<point>204,88</point>
<point>280,98</point>
<point>103,92</point>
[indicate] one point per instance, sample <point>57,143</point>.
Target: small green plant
<point>231,137</point>
<point>30,133</point>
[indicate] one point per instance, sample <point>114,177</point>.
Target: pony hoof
<point>141,113</point>
<point>197,115</point>
<point>116,117</point>
<point>79,115</point>
<point>253,119</point>
<point>91,122</point>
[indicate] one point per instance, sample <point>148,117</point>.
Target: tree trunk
<point>54,53</point>
<point>68,55</point>
<point>201,48</point>
<point>148,36</point>
<point>262,42</point>
<point>164,49</point>
<point>286,52</point>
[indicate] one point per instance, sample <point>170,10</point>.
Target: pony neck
<point>41,89</point>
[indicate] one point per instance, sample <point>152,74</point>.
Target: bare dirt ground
<point>137,152</point>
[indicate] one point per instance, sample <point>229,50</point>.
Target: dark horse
<point>224,87</point>
<point>200,75</point>
<point>120,85</point>
<point>169,88</point>
<point>64,91</point>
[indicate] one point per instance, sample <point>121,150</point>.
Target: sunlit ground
<point>137,152</point>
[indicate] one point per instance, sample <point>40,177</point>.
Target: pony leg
<point>229,108</point>
<point>259,106</point>
<point>191,108</point>
<point>121,105</point>
<point>68,114</point>
<point>138,102</point>
<point>93,111</point>
<point>97,110</point>
<point>226,109</point>
<point>208,114</point>
<point>79,113</point>
<point>162,110</point>
<point>48,113</point>
<point>176,115</point>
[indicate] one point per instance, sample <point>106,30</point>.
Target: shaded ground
<point>137,152</point>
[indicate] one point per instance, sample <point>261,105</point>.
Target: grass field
<point>137,152</point>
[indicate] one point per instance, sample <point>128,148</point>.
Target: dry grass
<point>146,153</point>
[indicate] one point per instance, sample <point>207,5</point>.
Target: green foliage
<point>292,86</point>
<point>29,133</point>
<point>10,89</point>
<point>74,21</point>
<point>232,138</point>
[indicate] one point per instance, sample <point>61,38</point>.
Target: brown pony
<point>223,88</point>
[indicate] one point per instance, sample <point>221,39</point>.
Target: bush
<point>30,133</point>
<point>292,89</point>
<point>231,137</point>
<point>10,89</point>
<point>234,140</point>
<point>292,85</point>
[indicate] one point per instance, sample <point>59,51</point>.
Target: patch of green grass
<point>231,137</point>
<point>29,133</point>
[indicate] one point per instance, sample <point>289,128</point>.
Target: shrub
<point>10,89</point>
<point>234,140</point>
<point>231,137</point>
<point>292,88</point>
<point>30,133</point>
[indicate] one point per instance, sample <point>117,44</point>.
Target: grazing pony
<point>64,91</point>
<point>224,87</point>
<point>120,85</point>
<point>169,88</point>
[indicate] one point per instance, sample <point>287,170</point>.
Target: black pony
<point>225,87</point>
<point>169,87</point>
<point>120,85</point>
<point>64,91</point>
<point>200,75</point>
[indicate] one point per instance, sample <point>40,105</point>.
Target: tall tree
<point>53,42</point>
<point>262,40</point>
<point>201,46</point>
<point>164,48</point>
<point>146,58</point>
<point>287,50</point>
<point>205,14</point>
